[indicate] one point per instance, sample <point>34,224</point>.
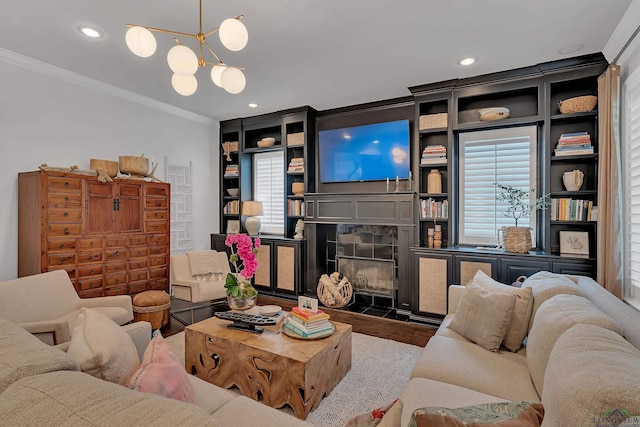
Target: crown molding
<point>93,84</point>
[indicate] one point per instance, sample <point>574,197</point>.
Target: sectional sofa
<point>581,358</point>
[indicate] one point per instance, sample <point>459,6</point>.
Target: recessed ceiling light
<point>468,61</point>
<point>92,32</point>
<point>571,48</point>
<point>253,105</point>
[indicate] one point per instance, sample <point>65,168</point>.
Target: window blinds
<point>506,156</point>
<point>268,184</point>
<point>632,183</point>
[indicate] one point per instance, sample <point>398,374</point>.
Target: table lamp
<point>252,210</point>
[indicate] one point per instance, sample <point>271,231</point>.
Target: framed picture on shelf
<point>233,226</point>
<point>574,243</point>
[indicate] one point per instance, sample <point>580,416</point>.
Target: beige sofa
<point>48,306</point>
<point>41,385</point>
<point>582,359</point>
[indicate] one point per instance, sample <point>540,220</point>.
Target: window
<point>268,184</point>
<point>631,187</point>
<point>507,156</point>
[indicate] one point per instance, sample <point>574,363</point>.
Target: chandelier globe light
<point>184,62</point>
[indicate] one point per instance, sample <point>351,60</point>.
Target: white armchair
<point>187,287</point>
<point>48,306</point>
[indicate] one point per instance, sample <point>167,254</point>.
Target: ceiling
<point>326,54</point>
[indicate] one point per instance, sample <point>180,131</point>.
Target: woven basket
<point>579,104</point>
<point>517,239</point>
<point>332,294</point>
<point>433,121</point>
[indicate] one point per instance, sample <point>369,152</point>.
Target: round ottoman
<point>153,307</point>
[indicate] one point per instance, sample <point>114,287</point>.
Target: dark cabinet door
<point>578,268</point>
<point>512,268</point>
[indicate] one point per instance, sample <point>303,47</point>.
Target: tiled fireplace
<point>365,237</point>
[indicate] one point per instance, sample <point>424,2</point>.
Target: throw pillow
<point>162,373</point>
<point>521,311</point>
<point>100,347</point>
<point>483,317</point>
<point>507,414</point>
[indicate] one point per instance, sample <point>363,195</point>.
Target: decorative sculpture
<point>299,229</point>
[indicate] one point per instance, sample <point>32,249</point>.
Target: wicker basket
<point>517,239</point>
<point>579,104</point>
<point>434,121</point>
<point>334,293</point>
<point>295,139</point>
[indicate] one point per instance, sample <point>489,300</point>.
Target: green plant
<point>518,203</point>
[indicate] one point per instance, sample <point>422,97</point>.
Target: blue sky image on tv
<point>365,153</point>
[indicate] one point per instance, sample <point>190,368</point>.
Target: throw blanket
<point>204,264</point>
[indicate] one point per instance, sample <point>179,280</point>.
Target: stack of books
<point>573,144</point>
<point>231,170</point>
<point>307,323</point>
<point>295,208</point>
<point>296,164</point>
<point>434,155</point>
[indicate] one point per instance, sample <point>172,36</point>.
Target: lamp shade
<point>233,80</point>
<point>216,73</point>
<point>140,41</point>
<point>233,34</point>
<point>182,60</point>
<point>251,208</point>
<point>184,85</point>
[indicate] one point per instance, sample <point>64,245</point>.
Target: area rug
<point>380,370</point>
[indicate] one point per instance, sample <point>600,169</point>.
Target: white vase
<point>573,180</point>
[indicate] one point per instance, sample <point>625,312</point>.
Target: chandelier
<point>184,62</point>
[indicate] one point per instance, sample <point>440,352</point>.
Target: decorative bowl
<point>233,191</point>
<point>241,304</point>
<point>134,165</point>
<point>266,142</point>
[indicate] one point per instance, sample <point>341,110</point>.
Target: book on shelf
<point>296,165</point>
<point>295,207</point>
<point>433,209</point>
<point>573,144</point>
<point>433,161</point>
<point>232,207</point>
<point>231,170</point>
<point>573,152</point>
<point>568,209</point>
<point>433,154</point>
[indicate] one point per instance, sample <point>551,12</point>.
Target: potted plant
<point>241,295</point>
<point>518,239</point>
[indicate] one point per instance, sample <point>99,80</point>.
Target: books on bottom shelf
<point>433,209</point>
<point>566,209</point>
<point>295,207</point>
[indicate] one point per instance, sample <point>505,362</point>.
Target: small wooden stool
<point>153,307</point>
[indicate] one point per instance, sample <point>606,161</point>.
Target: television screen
<point>365,153</point>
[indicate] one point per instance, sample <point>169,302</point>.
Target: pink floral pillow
<point>162,373</point>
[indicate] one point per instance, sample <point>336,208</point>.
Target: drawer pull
<point>116,254</point>
<point>61,245</point>
<point>117,280</point>
<point>156,215</point>
<point>90,243</point>
<point>66,183</point>
<point>66,198</point>
<point>91,271</point>
<point>90,257</point>
<point>66,214</point>
<point>66,230</point>
<point>63,260</point>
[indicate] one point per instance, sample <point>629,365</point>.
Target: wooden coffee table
<point>269,367</point>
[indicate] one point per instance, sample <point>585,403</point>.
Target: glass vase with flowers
<point>241,295</point>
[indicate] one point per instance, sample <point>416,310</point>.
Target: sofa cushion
<point>23,355</point>
<point>591,372</point>
<point>75,398</point>
<point>545,285</point>
<point>102,348</point>
<point>421,392</point>
<point>521,311</point>
<point>506,414</point>
<point>483,316</point>
<point>243,411</point>
<point>445,331</point>
<point>554,317</point>
<point>465,364</point>
<point>162,373</point>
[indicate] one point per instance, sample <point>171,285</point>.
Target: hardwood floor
<point>397,330</point>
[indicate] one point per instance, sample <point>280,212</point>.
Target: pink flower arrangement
<point>245,264</point>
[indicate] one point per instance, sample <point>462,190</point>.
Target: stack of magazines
<point>573,144</point>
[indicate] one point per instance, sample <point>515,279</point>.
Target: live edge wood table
<point>269,367</point>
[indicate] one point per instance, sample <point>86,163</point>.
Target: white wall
<point>45,119</point>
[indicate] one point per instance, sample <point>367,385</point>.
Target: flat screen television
<point>365,153</point>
